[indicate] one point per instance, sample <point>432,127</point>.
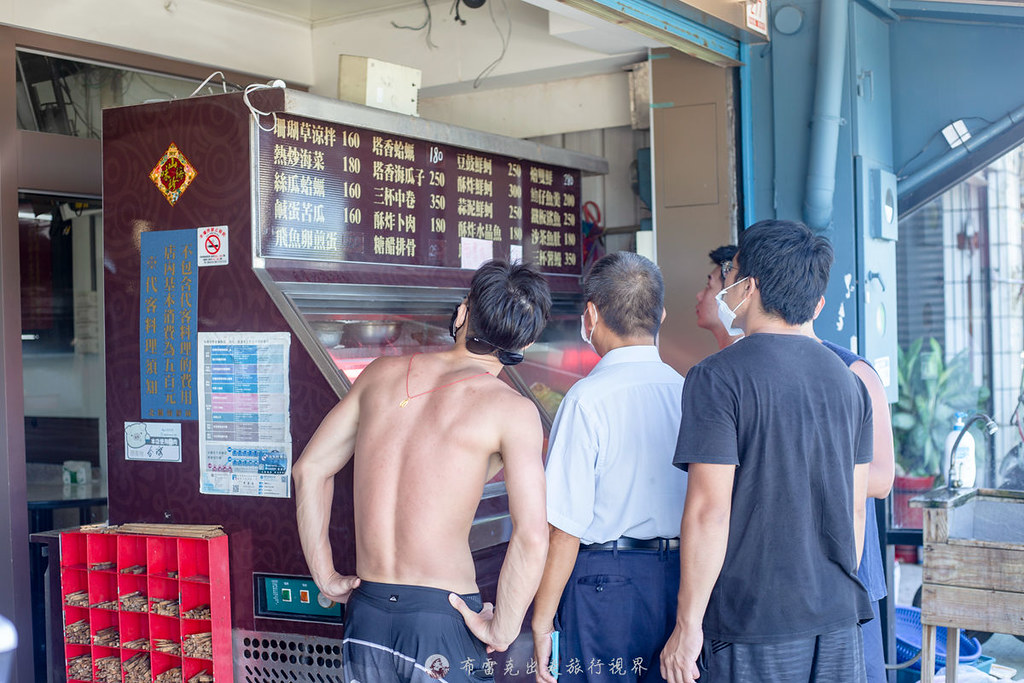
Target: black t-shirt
<point>794,419</point>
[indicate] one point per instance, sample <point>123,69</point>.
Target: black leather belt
<point>627,543</point>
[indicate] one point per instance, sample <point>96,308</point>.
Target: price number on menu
<point>351,164</point>
<point>437,178</point>
<point>353,215</point>
<point>437,201</point>
<point>349,138</point>
<point>438,225</point>
<point>351,190</point>
<point>436,155</point>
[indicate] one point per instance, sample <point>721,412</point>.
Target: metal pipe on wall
<point>977,140</point>
<point>828,98</point>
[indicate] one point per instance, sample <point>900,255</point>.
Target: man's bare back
<point>424,434</point>
<point>420,469</point>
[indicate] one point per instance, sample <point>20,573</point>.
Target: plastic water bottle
<point>965,472</point>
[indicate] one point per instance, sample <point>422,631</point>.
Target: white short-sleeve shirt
<point>609,469</point>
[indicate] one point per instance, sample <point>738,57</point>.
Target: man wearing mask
<point>614,499</point>
<point>707,305</point>
<point>776,436</point>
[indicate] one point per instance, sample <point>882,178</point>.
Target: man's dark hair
<point>509,304</point>
<point>722,255</point>
<point>629,293</point>
<point>791,265</point>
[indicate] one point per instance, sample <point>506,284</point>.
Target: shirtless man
<point>425,432</point>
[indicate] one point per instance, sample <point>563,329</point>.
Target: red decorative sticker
<point>173,174</point>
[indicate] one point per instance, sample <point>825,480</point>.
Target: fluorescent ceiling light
<point>29,216</point>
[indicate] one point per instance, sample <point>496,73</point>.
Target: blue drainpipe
<point>917,178</point>
<point>828,100</point>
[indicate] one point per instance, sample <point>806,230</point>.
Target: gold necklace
<point>409,397</point>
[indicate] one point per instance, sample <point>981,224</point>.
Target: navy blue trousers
<point>617,611</point>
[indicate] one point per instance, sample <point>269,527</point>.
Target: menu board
<point>331,192</point>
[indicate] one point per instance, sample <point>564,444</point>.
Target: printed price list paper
<point>331,192</point>
<point>244,414</point>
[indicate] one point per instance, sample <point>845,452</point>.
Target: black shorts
<point>835,657</point>
<point>410,633</point>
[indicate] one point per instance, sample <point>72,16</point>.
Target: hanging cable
<point>223,81</point>
<point>506,40</point>
<point>256,113</point>
<point>427,24</point>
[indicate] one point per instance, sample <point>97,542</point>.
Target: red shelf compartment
<point>131,552</point>
<point>163,589</point>
<point>103,590</point>
<point>99,653</point>
<point>73,615</point>
<point>72,549</point>
<point>165,629</point>
<point>128,654</point>
<point>162,556</point>
<point>134,626</point>
<point>161,663</point>
<point>193,596</point>
<point>194,559</point>
<point>101,552</point>
<point>194,666</point>
<point>191,628</point>
<point>128,584</point>
<point>73,581</point>
<point>70,653</point>
<point>101,619</point>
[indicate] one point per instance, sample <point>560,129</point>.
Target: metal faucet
<point>990,426</point>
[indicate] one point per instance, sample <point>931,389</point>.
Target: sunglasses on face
<point>482,347</point>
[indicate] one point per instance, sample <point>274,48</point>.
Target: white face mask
<point>583,330</point>
<point>727,315</point>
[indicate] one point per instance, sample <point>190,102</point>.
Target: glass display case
<point>348,326</point>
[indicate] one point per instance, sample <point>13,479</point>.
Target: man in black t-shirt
<point>776,437</point>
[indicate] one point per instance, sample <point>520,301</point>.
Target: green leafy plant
<point>931,392</point>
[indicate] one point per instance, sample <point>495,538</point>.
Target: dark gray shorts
<point>396,633</point>
<point>835,657</point>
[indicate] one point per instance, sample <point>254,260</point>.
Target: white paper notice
<point>476,252</point>
<point>515,253</point>
<point>87,322</point>
<point>212,246</point>
<point>245,444</point>
<point>158,441</point>
<point>757,16</point>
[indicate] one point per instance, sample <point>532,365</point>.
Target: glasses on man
<point>482,347</point>
<point>726,269</point>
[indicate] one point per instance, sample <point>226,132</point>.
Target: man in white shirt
<point>613,498</point>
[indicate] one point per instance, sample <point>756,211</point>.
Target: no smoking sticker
<point>213,246</point>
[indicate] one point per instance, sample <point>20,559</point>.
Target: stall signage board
<point>332,192</point>
<point>167,325</point>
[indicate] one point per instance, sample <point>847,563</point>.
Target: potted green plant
<point>931,391</point>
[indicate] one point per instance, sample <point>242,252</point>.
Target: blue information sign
<point>168,297</point>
